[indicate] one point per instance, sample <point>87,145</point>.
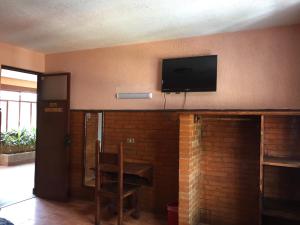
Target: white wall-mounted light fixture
<point>143,95</point>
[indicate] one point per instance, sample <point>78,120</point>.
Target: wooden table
<point>137,169</point>
<point>135,172</point>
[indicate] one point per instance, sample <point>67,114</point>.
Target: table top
<point>143,171</point>
<point>138,169</point>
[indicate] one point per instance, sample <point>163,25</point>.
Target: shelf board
<point>281,162</point>
<point>288,210</point>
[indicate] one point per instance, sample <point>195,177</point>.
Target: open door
<point>52,146</point>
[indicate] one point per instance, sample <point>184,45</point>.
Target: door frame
<point>20,70</point>
<point>39,74</point>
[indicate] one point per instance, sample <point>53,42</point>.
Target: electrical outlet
<point>130,140</point>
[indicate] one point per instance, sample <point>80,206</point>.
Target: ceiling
<point>65,25</point>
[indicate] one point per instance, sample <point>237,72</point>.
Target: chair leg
<point>120,211</point>
<point>135,205</point>
<point>97,221</point>
<point>97,215</point>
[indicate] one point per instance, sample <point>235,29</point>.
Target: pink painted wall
<point>256,69</point>
<point>21,58</point>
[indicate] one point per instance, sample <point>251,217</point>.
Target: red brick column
<point>189,170</point>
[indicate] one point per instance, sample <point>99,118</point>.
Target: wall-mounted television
<point>192,74</point>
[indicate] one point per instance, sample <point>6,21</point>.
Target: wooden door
<point>52,150</point>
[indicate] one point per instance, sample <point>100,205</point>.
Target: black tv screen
<point>192,74</point>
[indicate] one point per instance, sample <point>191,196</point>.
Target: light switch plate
<point>130,140</point>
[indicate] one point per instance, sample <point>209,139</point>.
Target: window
<point>3,106</point>
<point>18,110</point>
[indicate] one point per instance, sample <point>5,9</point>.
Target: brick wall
<point>156,142</point>
<point>281,139</point>
<point>227,173</point>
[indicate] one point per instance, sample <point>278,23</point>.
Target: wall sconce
<point>144,95</point>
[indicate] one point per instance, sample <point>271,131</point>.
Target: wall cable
<point>165,100</point>
<point>184,101</point>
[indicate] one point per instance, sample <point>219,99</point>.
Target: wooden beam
<point>6,87</point>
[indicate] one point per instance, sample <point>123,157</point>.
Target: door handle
<point>67,140</point>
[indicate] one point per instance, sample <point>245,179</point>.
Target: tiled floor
<point>16,183</point>
<point>41,212</point>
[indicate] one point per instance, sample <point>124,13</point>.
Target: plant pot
<point>17,158</point>
<point>11,149</point>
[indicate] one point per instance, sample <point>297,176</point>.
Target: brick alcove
<point>219,170</point>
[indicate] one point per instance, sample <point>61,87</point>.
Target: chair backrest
<point>113,162</point>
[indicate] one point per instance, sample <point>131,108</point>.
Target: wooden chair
<point>112,187</point>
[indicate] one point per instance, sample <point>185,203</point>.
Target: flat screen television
<point>192,74</point>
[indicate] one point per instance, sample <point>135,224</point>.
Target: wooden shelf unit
<point>282,209</point>
<point>281,162</point>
